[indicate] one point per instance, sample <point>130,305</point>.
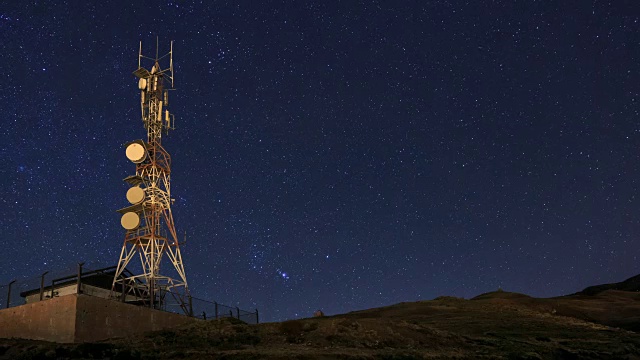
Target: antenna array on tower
<point>148,221</point>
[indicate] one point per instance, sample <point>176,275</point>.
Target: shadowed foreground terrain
<point>498,325</point>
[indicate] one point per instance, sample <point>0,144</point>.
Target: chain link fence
<point>97,281</point>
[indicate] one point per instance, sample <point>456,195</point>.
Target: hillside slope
<point>631,284</point>
<point>493,326</point>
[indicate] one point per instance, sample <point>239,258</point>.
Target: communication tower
<point>150,231</point>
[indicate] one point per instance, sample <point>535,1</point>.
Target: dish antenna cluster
<point>150,231</point>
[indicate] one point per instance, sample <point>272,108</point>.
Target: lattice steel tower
<point>150,230</point>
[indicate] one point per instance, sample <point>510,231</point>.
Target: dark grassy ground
<point>498,325</point>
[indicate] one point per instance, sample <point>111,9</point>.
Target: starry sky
<point>334,155</point>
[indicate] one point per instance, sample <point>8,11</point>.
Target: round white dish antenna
<point>142,84</point>
<point>136,153</point>
<point>135,195</point>
<point>130,220</point>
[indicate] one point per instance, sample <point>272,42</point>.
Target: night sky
<point>334,155</point>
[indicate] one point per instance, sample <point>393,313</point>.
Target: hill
<point>631,284</point>
<point>498,325</point>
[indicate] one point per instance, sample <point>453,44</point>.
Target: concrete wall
<point>99,319</point>
<point>51,320</point>
<point>96,291</point>
<point>57,292</point>
<point>83,318</point>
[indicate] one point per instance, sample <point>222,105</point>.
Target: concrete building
<point>79,318</point>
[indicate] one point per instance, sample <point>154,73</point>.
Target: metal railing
<point>15,292</point>
<point>208,310</point>
<point>97,282</point>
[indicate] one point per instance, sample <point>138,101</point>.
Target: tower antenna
<point>150,231</point>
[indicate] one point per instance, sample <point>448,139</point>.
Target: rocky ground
<point>497,325</point>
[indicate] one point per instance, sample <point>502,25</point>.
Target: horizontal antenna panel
<point>142,73</point>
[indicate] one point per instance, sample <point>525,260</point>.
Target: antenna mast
<point>148,221</point>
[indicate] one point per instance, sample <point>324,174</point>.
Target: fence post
<point>9,293</point>
<point>123,296</point>
<point>238,312</point>
<point>42,285</point>
<point>215,302</point>
<point>79,285</point>
<point>257,317</point>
